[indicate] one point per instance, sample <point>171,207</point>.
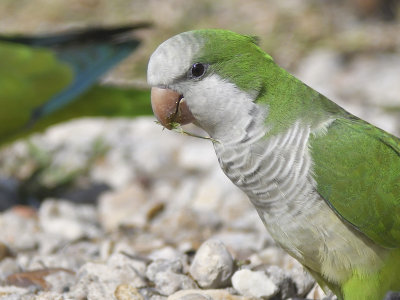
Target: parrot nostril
<point>176,114</point>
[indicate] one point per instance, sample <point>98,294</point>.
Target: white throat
<point>209,101</point>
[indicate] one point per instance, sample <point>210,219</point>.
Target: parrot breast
<point>276,174</point>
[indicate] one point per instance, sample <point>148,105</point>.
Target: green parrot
<point>325,183</point>
<point>49,79</point>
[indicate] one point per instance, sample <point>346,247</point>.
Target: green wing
<point>29,78</point>
<point>357,170</point>
<point>99,101</point>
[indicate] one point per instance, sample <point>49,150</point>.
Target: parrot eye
<point>197,70</point>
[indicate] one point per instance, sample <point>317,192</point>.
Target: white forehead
<point>172,58</point>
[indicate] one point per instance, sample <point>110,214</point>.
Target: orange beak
<point>170,107</point>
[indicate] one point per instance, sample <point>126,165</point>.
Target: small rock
<point>205,295</point>
<point>167,276</point>
<point>125,264</point>
<point>287,288</point>
<point>254,284</point>
<point>163,265</point>
<point>168,283</point>
<point>127,292</point>
<point>213,265</point>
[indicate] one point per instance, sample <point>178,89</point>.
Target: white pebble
<point>254,284</point>
<point>213,265</point>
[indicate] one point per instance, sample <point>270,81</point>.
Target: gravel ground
<point>170,221</point>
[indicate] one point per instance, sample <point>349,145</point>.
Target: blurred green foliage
<point>42,79</point>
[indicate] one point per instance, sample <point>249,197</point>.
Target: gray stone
<point>281,278</point>
<point>169,282</point>
<point>125,264</point>
<point>163,265</point>
<point>167,276</point>
<point>213,265</point>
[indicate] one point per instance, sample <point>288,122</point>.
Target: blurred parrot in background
<point>51,78</point>
<point>325,183</point>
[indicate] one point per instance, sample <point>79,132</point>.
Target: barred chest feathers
<point>276,174</point>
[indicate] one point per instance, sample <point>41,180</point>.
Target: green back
<point>357,169</point>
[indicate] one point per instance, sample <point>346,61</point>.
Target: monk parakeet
<point>325,183</point>
<point>49,79</point>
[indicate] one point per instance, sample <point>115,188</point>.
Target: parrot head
<point>210,78</point>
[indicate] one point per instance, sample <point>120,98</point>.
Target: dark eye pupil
<point>198,70</point>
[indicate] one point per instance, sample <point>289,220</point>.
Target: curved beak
<point>170,107</point>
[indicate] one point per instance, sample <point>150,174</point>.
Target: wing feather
<point>357,170</point>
